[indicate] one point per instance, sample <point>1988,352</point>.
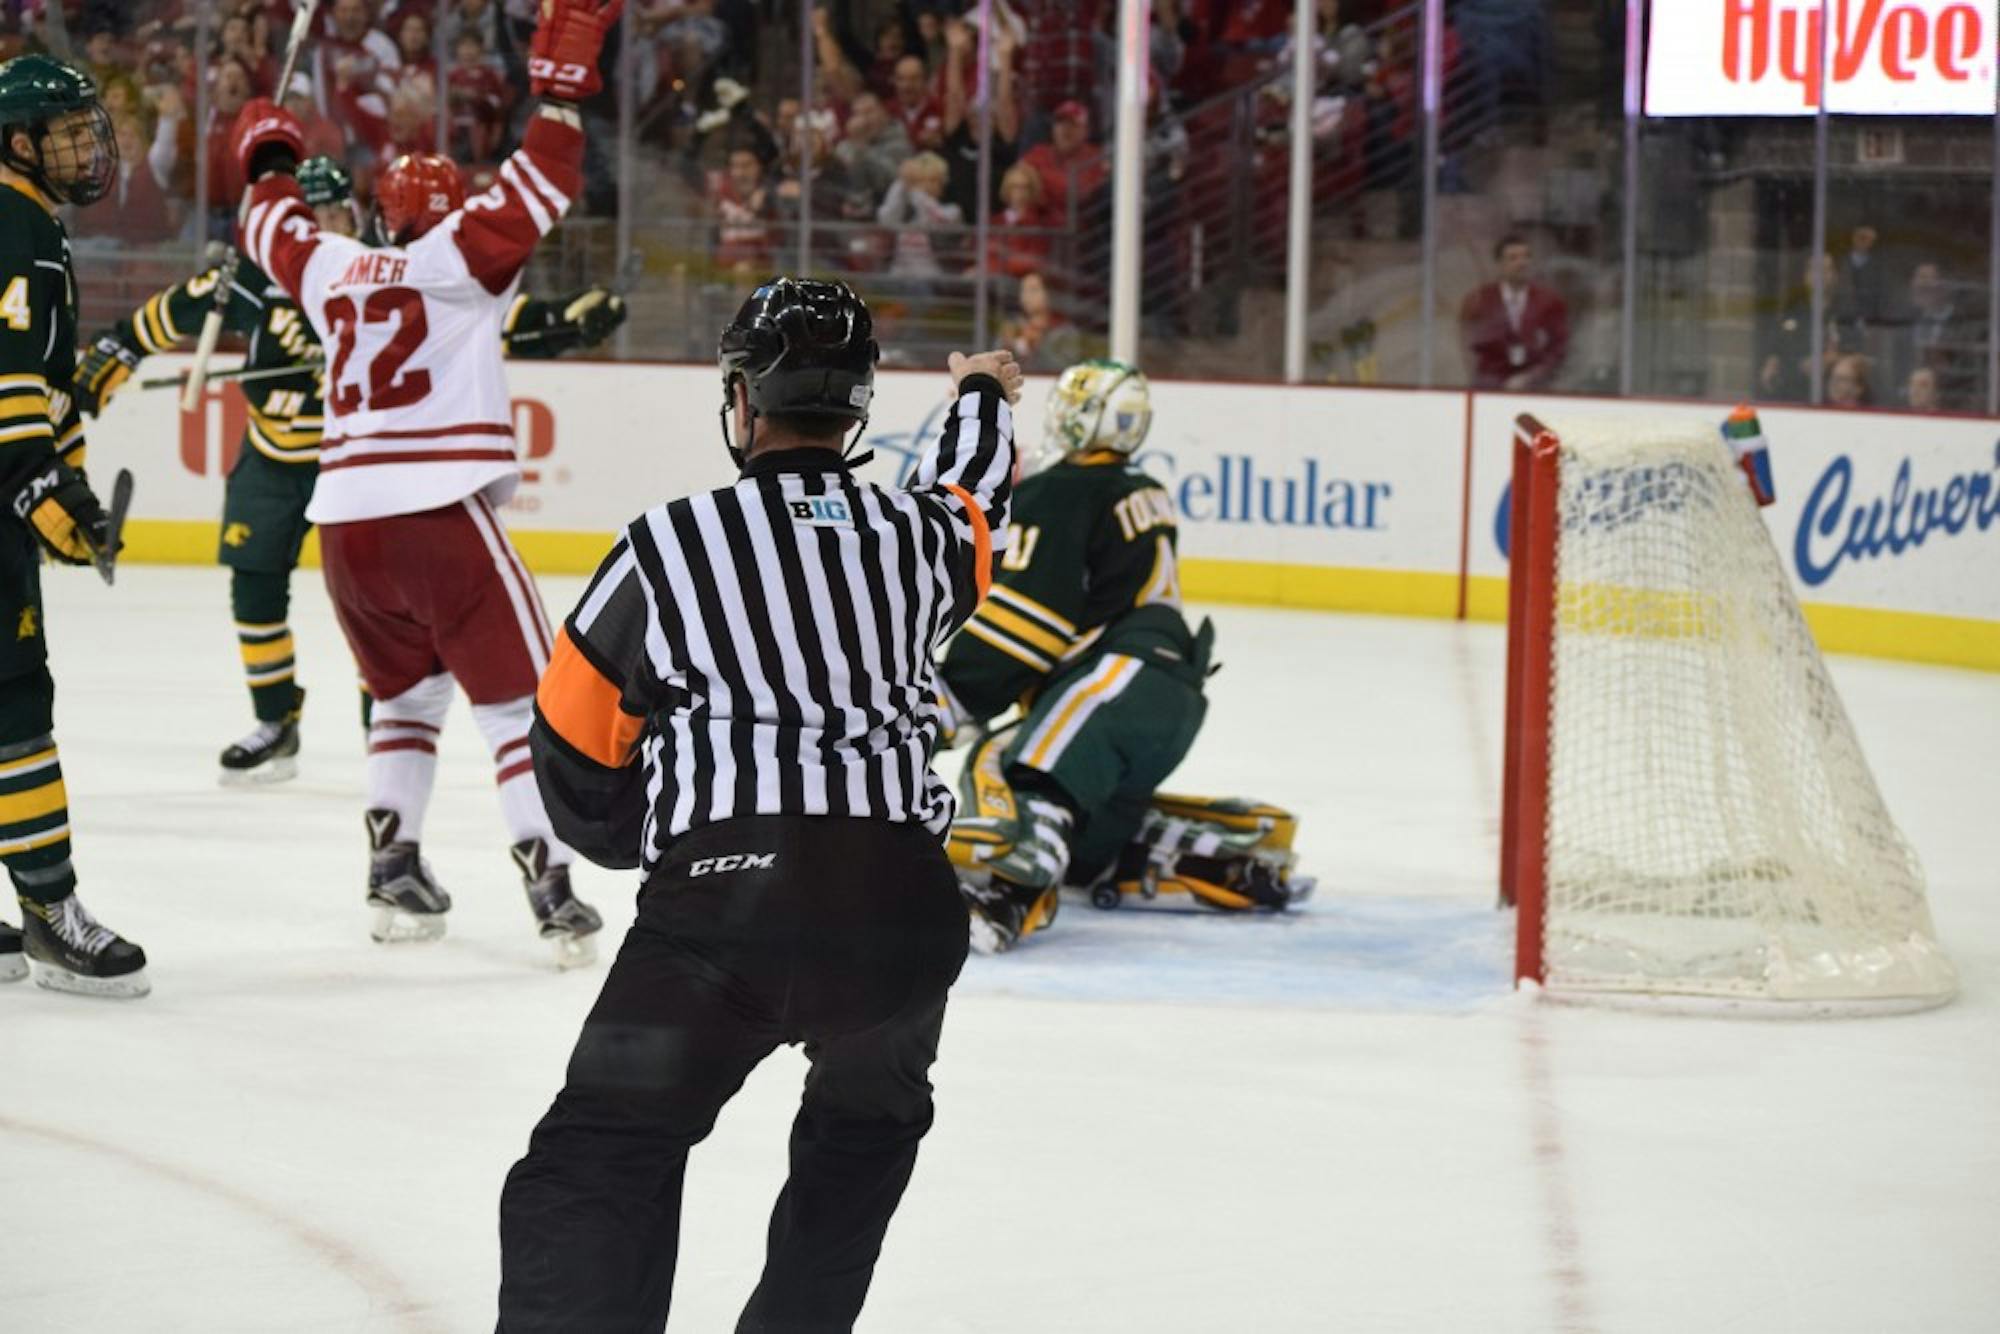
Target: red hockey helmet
<point>415,193</point>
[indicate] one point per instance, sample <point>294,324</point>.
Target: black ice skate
<point>1002,913</point>
<point>69,950</point>
<point>13,964</point>
<point>267,755</point>
<point>409,905</point>
<point>568,923</point>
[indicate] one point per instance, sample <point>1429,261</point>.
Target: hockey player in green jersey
<point>56,148</point>
<point>264,502</point>
<point>1083,627</point>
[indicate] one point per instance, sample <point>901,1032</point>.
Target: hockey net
<point>1688,812</point>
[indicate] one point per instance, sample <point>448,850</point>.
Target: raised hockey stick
<point>105,558</point>
<point>211,324</point>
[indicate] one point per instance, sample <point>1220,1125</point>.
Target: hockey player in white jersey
<point>419,454</point>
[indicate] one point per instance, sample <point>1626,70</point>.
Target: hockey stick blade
<point>106,556</point>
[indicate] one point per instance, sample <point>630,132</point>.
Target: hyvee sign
<point>1767,57</point>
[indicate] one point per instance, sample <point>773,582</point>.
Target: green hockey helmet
<point>325,181</point>
<point>327,185</point>
<point>74,154</point>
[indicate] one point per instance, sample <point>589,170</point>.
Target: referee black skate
<point>742,706</point>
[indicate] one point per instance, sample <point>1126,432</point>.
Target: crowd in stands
<point>1896,336</point>
<point>886,152</point>
<point>883,158</point>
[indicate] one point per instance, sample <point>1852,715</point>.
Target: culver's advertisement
<point>1873,509</point>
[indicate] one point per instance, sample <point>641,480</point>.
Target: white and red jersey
<point>417,410</point>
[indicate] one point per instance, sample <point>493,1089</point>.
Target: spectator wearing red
<point>740,200</point>
<point>228,90</point>
<point>414,51</point>
<point>480,100</point>
<point>1020,244</point>
<point>912,105</point>
<point>239,39</point>
<point>892,47</point>
<point>355,61</point>
<point>410,125</point>
<point>139,212</point>
<point>1515,332</point>
<point>1071,167</point>
<point>323,137</point>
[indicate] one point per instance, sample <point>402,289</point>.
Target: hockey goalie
<point>1083,629</point>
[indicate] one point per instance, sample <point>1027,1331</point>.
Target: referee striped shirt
<point>767,648</point>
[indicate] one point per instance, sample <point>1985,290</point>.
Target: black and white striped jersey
<point>767,648</point>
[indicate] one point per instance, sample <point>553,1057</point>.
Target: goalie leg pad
<point>1228,853</point>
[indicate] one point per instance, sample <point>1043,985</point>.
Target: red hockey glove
<point>263,136</point>
<point>562,58</point>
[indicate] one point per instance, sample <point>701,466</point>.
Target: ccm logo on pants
<point>739,861</point>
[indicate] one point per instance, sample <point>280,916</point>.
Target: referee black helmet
<point>805,353</point>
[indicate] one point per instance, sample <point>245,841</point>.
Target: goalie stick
<point>211,324</point>
<point>105,558</point>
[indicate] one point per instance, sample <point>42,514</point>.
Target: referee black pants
<point>842,934</point>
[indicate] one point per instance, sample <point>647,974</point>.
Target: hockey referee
<point>742,706</point>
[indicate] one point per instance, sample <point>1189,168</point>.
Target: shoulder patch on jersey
<point>821,512</point>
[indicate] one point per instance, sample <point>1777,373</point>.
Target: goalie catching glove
<point>562,57</point>
<point>57,503</point>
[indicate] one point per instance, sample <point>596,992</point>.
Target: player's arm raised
<point>590,711</point>
<point>968,470</point>
<point>162,322</point>
<point>539,329</point>
<point>499,229</point>
<point>279,232</point>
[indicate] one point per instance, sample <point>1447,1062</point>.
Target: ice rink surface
<point>1335,1121</point>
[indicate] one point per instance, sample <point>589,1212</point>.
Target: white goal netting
<point>1713,828</point>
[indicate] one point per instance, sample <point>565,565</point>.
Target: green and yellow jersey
<point>38,418</point>
<point>1090,561</point>
<point>286,417</point>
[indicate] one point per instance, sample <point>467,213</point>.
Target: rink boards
<point>1356,499</point>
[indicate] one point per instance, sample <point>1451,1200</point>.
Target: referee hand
<point>999,364</point>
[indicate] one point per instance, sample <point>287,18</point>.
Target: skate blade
<point>279,770</point>
<point>12,967</point>
<point>129,986</point>
<point>573,951</point>
<point>393,926</point>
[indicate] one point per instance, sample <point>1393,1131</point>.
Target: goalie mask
<point>1096,405</point>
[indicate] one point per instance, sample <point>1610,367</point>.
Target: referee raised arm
<point>741,706</point>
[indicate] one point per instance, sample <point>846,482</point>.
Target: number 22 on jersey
<point>389,385</point>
